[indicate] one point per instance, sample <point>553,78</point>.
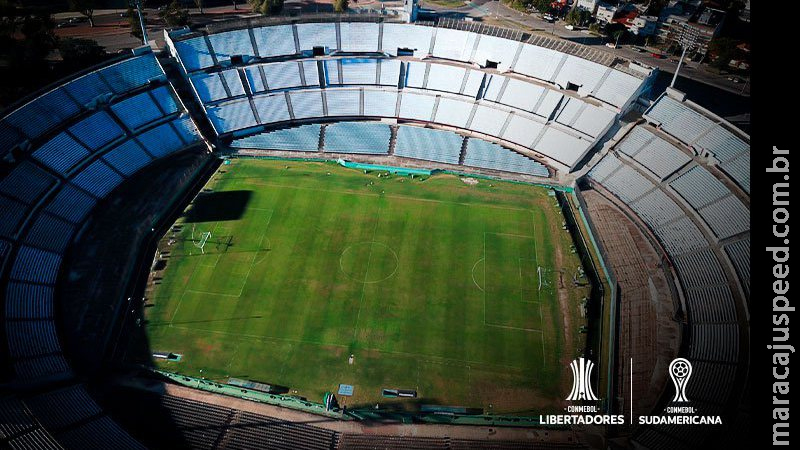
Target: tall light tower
<point>141,21</point>
<point>687,38</point>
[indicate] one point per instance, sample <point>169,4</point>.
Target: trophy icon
<point>680,370</point>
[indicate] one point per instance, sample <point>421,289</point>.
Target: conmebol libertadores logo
<point>680,370</point>
<point>581,380</point>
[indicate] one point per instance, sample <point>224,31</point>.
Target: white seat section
<point>233,81</point>
<point>492,156</point>
<point>343,102</point>
<point>678,119</point>
<point>681,236</point>
<point>230,43</point>
<point>699,187</point>
<point>522,95</point>
<point>700,269</point>
<point>726,217</point>
<point>604,168</point>
<point>493,87</point>
<point>445,78</point>
<point>473,83</point>
<point>357,70</point>
<point>379,103</point>
<point>454,44</point>
<point>538,62</point>
<point>274,41</point>
<point>522,130</point>
<point>230,116</point>
<point>416,106</point>
<point>549,103</point>
<point>415,74</point>
<point>722,143</point>
<point>661,158</point>
<point>628,184</point>
<point>332,75</point>
<point>488,120</point>
<point>306,104</point>
<point>397,35</point>
<point>427,144</point>
<point>563,147</point>
<point>359,36</point>
<point>254,80</point>
<point>357,137</point>
<point>194,53</point>
<point>453,112</point>
<point>738,169</point>
<point>581,72</point>
<point>618,88</point>
<point>569,110</point>
<point>304,138</point>
<point>282,75</point>
<point>389,72</point>
<point>656,208</point>
<point>739,253</point>
<point>634,141</point>
<point>594,121</point>
<point>271,108</point>
<point>312,35</point>
<point>495,49</point>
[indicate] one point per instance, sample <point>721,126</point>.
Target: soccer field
<point>461,291</point>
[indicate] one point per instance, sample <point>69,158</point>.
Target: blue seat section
<point>304,138</point>
<point>87,88</point>
<point>132,73</point>
<point>137,110</point>
<point>35,265</point>
<point>12,213</point>
<point>43,113</point>
<point>50,233</point>
<point>353,137</point>
<point>9,137</point>
<point>28,338</point>
<point>41,367</point>
<point>428,144</point>
<point>186,130</point>
<point>236,42</point>
<point>61,153</point>
<point>98,179</point>
<point>127,157</point>
<point>492,156</point>
<point>165,100</point>
<point>71,204</point>
<point>194,53</point>
<point>161,140</point>
<point>96,130</point>
<point>231,116</point>
<point>29,301</point>
<point>209,87</point>
<point>26,183</point>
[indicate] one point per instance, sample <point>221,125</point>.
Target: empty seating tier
<point>348,137</point>
<point>304,138</point>
<point>428,144</point>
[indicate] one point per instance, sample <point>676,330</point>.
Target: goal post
<point>202,242</point>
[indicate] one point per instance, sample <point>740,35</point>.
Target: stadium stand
<point>304,138</point>
<point>348,137</point>
<point>428,144</point>
<point>492,156</point>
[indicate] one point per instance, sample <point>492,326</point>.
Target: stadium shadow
<point>218,206</point>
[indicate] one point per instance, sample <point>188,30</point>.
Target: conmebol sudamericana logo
<point>581,380</point>
<point>680,370</point>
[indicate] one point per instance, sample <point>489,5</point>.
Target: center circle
<point>368,262</point>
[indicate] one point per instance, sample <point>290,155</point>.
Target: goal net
<point>201,243</point>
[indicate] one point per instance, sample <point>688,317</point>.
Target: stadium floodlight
<point>687,38</point>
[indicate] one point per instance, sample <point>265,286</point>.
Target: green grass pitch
<point>431,284</point>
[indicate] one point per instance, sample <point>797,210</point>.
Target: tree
<point>199,4</point>
<point>267,7</point>
<point>578,16</point>
<point>174,15</point>
<point>85,7</point>
<point>723,50</point>
<point>340,6</point>
<point>543,6</point>
<point>80,53</point>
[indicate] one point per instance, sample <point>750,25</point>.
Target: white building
<point>605,13</point>
<point>587,5</point>
<point>643,25</point>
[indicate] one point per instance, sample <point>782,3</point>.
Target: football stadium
<point>353,232</point>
